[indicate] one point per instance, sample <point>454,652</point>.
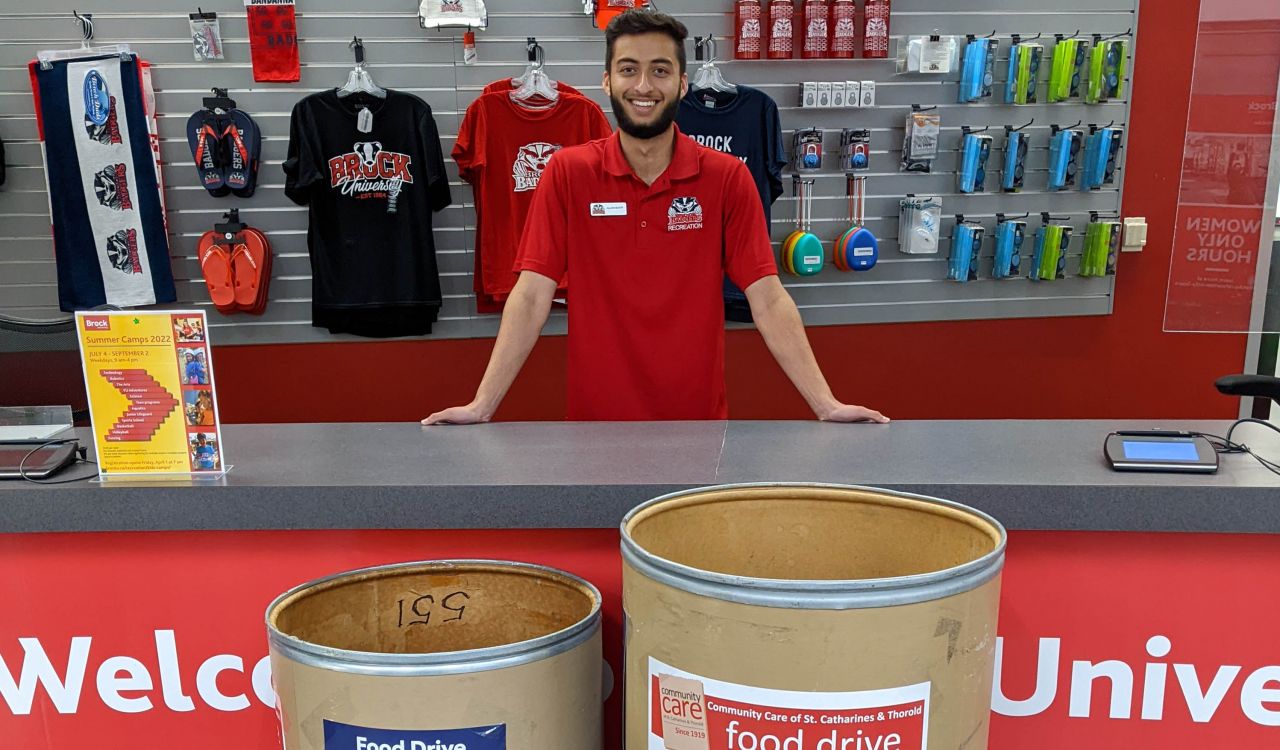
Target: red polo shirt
<point>646,325</point>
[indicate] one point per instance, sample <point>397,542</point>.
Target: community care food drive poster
<point>151,395</point>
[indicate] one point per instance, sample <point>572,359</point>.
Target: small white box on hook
<point>852,94</point>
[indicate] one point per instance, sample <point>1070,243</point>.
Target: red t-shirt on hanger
<point>502,149</point>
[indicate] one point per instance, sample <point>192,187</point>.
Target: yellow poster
<point>152,401</point>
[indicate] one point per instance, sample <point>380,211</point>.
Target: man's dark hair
<point>635,22</point>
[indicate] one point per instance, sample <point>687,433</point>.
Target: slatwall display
<point>429,64</point>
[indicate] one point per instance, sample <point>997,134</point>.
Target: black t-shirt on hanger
<point>371,196</point>
<point>746,124</point>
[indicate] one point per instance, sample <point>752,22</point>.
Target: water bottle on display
<point>781,32</point>
<point>750,33</point>
<point>844,29</point>
<point>817,36</point>
<point>875,29</point>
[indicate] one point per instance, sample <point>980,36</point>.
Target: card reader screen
<point>1141,450</point>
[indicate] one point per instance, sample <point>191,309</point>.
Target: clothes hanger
<point>358,80</point>
<point>708,77</point>
<point>536,83</point>
<point>48,57</point>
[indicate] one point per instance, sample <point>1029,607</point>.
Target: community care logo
<point>684,214</point>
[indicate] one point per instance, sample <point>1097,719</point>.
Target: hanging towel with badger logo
<point>109,235</point>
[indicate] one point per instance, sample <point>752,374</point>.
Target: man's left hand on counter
<point>853,413</point>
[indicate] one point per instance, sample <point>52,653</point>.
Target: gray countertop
<point>1029,474</point>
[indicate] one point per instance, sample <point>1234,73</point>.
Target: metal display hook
<point>704,46</point>
<point>534,49</point>
<point>85,22</point>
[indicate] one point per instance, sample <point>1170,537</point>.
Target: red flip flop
<point>215,265</point>
<point>251,262</point>
<point>245,273</point>
<point>259,252</point>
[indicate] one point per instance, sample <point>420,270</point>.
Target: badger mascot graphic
<point>529,163</point>
<point>684,213</point>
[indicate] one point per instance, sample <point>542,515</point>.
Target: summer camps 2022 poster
<point>149,376</point>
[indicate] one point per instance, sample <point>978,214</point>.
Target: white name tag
<point>608,209</point>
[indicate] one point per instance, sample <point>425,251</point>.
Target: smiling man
<point>647,222</point>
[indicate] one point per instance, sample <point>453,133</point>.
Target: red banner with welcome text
<point>156,640</point>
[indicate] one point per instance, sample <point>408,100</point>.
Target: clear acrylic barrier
<point>1220,278</point>
<point>34,422</point>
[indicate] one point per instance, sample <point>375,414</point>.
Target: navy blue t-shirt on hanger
<point>744,123</point>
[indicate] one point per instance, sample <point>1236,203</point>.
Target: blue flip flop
<point>204,138</point>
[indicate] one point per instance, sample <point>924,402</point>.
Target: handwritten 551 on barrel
<point>809,617</point>
<point>441,655</point>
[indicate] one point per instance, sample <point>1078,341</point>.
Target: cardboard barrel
<point>442,655</point>
<point>809,617</point>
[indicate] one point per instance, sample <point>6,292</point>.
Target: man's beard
<point>666,116</point>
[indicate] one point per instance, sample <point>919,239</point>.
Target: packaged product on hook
<point>975,151</point>
<point>1049,261</point>
<point>1009,238</point>
<point>966,248</point>
<point>1023,80</point>
<point>919,224</point>
<point>1017,145</point>
<point>807,148</point>
<point>930,54</point>
<point>1064,156</point>
<point>1101,152</point>
<point>1107,68</point>
<point>920,146</point>
<point>855,149</point>
<point>1064,73</point>
<point>1101,248</point>
<point>977,75</point>
<point>206,36</point>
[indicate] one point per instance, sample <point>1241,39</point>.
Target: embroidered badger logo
<point>685,213</point>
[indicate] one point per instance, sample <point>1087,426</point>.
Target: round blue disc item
<point>863,250</point>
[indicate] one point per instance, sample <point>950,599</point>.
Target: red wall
<point>1034,368</point>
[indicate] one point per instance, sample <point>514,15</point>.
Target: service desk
<point>1028,474</point>
<point>135,608</point>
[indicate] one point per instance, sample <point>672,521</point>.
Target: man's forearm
<point>783,330</point>
<point>523,317</point>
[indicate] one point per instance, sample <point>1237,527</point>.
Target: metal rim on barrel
<point>438,663</point>
<point>818,594</point>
